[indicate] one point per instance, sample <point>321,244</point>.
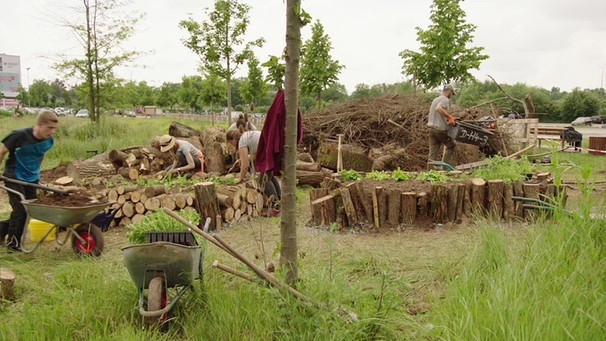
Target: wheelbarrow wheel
<point>156,300</point>
<point>94,240</point>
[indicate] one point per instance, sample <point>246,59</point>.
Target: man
<point>439,120</point>
<point>25,148</point>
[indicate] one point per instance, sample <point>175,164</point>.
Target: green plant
<point>350,174</point>
<point>432,176</point>
<point>159,221</point>
<point>509,170</point>
<point>377,175</point>
<point>400,175</point>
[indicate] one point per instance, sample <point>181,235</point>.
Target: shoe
<point>12,248</point>
<point>273,212</point>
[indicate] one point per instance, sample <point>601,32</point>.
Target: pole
<point>29,97</point>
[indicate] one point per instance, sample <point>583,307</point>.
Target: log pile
<point>355,205</point>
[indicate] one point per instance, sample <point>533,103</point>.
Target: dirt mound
<point>391,122</point>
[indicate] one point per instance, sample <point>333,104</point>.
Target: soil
<point>72,199</point>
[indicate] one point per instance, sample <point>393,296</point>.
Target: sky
<point>544,43</point>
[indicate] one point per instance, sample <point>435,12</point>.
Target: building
<point>10,79</point>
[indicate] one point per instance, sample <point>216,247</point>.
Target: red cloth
<point>271,141</point>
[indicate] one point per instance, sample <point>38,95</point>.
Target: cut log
<point>128,209</point>
<point>137,218</point>
<point>207,205</point>
<point>394,207</point>
<point>125,189</point>
<point>453,194</point>
<point>125,221</point>
<point>64,180</point>
<point>353,156</point>
<point>181,200</point>
<point>7,282</point>
<point>323,210</point>
<point>313,179</point>
<point>350,211</point>
<point>306,157</point>
<point>228,214</point>
<point>118,158</point>
<point>409,208</point>
<point>139,208</point>
<point>495,199</point>
<point>251,196</point>
<point>518,191</point>
<point>135,196</point>
<point>308,166</point>
<point>461,195</point>
<point>422,206</point>
<point>508,204</point>
<point>167,201</point>
<point>112,195</point>
<point>96,166</point>
<point>366,200</point>
<point>439,203</point>
<point>152,204</point>
<point>356,200</point>
<point>478,196</point>
<point>154,190</point>
<point>530,191</point>
<point>224,200</point>
<point>330,182</point>
<point>129,173</point>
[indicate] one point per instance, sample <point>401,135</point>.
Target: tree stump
<point>409,208</point>
<point>453,195</point>
<point>394,207</point>
<point>495,199</point>
<point>7,282</point>
<point>323,210</point>
<point>350,211</point>
<point>207,205</point>
<point>478,196</point>
<point>518,191</point>
<point>508,203</point>
<point>439,203</point>
<point>530,191</point>
<point>422,206</point>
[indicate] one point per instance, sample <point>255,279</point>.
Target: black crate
<point>470,134</point>
<point>178,237</point>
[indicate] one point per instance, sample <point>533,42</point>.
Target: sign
<point>10,75</point>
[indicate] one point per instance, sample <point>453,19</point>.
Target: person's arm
<point>3,151</point>
<point>243,154</point>
<point>445,114</point>
<point>190,163</point>
<point>173,168</point>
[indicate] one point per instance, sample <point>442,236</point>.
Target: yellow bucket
<point>37,229</point>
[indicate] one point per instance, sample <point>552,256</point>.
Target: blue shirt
<point>25,154</point>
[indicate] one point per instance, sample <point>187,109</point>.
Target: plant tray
<point>178,237</point>
<point>470,134</point>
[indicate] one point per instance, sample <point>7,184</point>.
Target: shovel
<point>23,183</point>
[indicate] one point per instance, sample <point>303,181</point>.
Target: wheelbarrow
<point>84,224</point>
<point>158,265</point>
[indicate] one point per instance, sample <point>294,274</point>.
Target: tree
<point>168,98</point>
<point>217,41</point>
<point>275,72</point>
<point>103,31</point>
<point>190,92</point>
<point>578,103</point>
<point>444,56</point>
<point>288,224</point>
<point>254,87</point>
<point>318,69</point>
<point>213,92</point>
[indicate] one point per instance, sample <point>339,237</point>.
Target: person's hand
<point>451,120</point>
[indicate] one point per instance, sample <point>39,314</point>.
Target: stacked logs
<point>352,205</point>
<point>240,203</point>
<point>134,203</point>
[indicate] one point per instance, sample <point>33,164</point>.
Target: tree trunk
<point>478,196</point>
<point>288,225</point>
<point>394,207</point>
<point>409,208</point>
<point>7,282</point>
<point>495,199</point>
<point>439,203</point>
<point>207,205</point>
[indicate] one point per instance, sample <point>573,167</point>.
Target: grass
<point>480,280</point>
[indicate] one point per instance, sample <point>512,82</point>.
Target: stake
<point>339,154</point>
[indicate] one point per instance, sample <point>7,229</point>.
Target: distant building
<point>10,79</point>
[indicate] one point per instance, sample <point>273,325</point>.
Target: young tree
<point>101,33</point>
<point>444,55</point>
<point>167,98</point>
<point>318,69</point>
<point>190,92</point>
<point>254,87</point>
<point>219,41</point>
<point>295,18</point>
<point>212,93</point>
<point>275,72</point>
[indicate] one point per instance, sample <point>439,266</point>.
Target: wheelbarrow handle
<point>13,191</point>
<point>5,179</point>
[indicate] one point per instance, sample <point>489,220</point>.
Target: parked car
<point>581,120</point>
<point>597,119</point>
<point>82,113</point>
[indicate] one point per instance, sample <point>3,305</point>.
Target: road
<point>594,130</point>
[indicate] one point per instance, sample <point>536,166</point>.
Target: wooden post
<point>366,203</point>
<point>460,199</point>
<point>423,206</point>
<point>207,205</point>
<point>439,203</point>
<point>323,210</point>
<point>394,207</point>
<point>453,193</point>
<point>530,191</point>
<point>350,211</point>
<point>495,199</point>
<point>508,204</point>
<point>409,208</point>
<point>518,191</point>
<point>339,154</point>
<point>375,207</point>
<point>478,196</point>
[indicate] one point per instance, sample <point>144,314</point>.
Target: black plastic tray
<point>178,237</point>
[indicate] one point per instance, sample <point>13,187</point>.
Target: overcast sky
<point>543,43</point>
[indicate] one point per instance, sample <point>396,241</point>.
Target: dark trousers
<point>18,216</point>
<point>272,187</point>
<point>182,162</point>
<point>437,138</point>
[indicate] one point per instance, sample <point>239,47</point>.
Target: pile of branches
<point>377,122</point>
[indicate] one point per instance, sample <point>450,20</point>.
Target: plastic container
<point>37,229</point>
<point>469,133</point>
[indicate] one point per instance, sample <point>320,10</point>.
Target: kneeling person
<point>188,158</point>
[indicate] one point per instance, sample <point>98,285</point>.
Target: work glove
<point>451,120</point>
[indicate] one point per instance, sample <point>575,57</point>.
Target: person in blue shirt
<point>25,148</point>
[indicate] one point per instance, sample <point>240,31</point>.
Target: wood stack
<point>353,205</point>
<point>240,203</point>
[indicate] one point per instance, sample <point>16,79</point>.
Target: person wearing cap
<point>439,121</point>
<point>188,158</point>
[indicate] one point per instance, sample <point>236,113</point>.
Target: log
<point>422,205</point>
<point>365,200</point>
<point>7,282</point>
<point>460,199</point>
<point>128,209</point>
<point>530,191</point>
<point>375,208</point>
<point>224,200</point>
<point>313,179</point>
<point>518,191</point>
<point>177,129</point>
<point>181,200</point>
<point>308,166</point>
<point>350,211</point>
<point>118,158</point>
<point>129,173</point>
<point>125,221</point>
<point>508,204</point>
<point>167,201</point>
<point>125,189</point>
<point>207,205</point>
<point>495,199</point>
<point>331,182</point>
<point>353,156</point>
<point>96,166</point>
<point>394,207</point>
<point>137,218</point>
<point>315,194</point>
<point>64,180</point>
<point>306,157</point>
<point>439,203</point>
<point>478,196</point>
<point>453,194</point>
<point>233,192</point>
<point>214,160</point>
<point>467,208</point>
<point>154,190</point>
<point>152,204</point>
<point>409,208</point>
<point>139,208</point>
<point>112,195</point>
<point>228,214</point>
<point>191,199</point>
<point>135,196</point>
<point>251,195</point>
<point>323,210</point>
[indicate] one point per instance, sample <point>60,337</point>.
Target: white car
<point>82,113</point>
<point>581,120</point>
